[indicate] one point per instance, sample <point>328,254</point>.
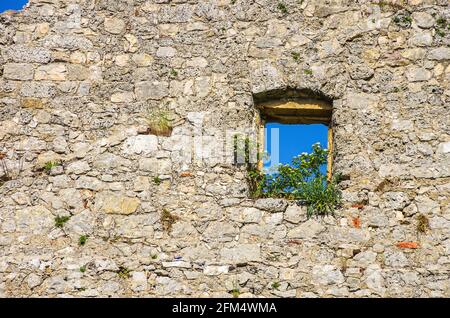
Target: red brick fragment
<point>356,222</point>
<point>407,245</point>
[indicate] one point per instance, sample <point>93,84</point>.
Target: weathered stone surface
<point>221,231</point>
<point>53,72</point>
<point>114,203</point>
<point>18,71</point>
<point>133,226</point>
<point>423,19</point>
<point>295,214</point>
<point>153,165</point>
<point>327,275</point>
<point>307,230</point>
<point>78,78</point>
<point>141,144</point>
<point>241,254</point>
<point>114,25</point>
<point>441,53</point>
<point>26,54</point>
<point>417,74</point>
<point>271,205</point>
<point>152,90</point>
<point>38,89</point>
<point>35,219</point>
<point>166,52</point>
<point>89,183</point>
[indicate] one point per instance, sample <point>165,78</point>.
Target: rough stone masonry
<point>77,77</point>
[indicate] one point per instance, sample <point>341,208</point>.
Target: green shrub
<point>302,180</point>
<point>157,180</point>
<point>61,220</point>
<point>82,240</point>
<point>167,220</point>
<point>124,272</point>
<point>159,122</point>
<point>276,285</point>
<point>282,7</point>
<point>49,165</point>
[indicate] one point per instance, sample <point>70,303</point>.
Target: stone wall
<point>76,78</point>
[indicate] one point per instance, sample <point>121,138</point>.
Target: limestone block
<point>241,253</point>
<point>197,62</point>
<point>271,205</point>
<point>122,97</point>
<point>152,90</point>
<point>440,54</point>
<point>142,59</point>
<point>265,76</point>
<point>423,19</point>
<point>18,71</point>
<point>157,166</point>
<point>69,42</point>
<point>38,89</point>
<point>215,270</point>
<point>131,44</point>
<point>134,226</point>
<point>421,39</point>
<point>327,275</point>
<point>114,25</point>
<point>220,232</point>
<point>90,183</point>
<point>78,167</point>
<point>139,281</point>
<point>140,144</point>
<point>295,214</point>
<point>307,230</point>
<point>141,184</point>
<point>35,219</point>
<point>418,74</point>
<point>26,54</point>
<point>116,203</point>
<point>52,72</point>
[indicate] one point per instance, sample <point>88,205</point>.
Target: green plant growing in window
<point>83,269</point>
<point>282,7</point>
<point>82,240</point>
<point>157,180</point>
<point>159,122</point>
<point>302,181</point>
<point>124,272</point>
<point>308,71</point>
<point>61,220</point>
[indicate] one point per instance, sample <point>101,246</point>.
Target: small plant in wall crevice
<point>168,219</point>
<point>61,220</point>
<point>159,122</point>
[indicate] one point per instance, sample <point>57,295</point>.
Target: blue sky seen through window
<point>294,139</point>
<point>12,4</point>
